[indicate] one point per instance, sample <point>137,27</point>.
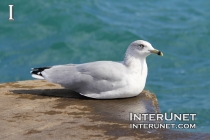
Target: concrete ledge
<point>37,109</point>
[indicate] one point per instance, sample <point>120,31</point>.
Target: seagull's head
<point>141,48</point>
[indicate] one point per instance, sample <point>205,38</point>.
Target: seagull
<point>104,79</point>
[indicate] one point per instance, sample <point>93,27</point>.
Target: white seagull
<point>104,79</point>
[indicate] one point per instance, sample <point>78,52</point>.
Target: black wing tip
<point>41,68</point>
<point>37,71</point>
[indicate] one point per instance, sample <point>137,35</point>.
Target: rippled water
<point>60,32</point>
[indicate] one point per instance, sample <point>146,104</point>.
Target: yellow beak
<point>157,52</point>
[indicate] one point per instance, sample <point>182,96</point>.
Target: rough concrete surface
<point>37,109</point>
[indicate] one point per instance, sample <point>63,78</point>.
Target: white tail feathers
<point>37,76</point>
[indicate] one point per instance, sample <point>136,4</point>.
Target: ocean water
<point>69,31</point>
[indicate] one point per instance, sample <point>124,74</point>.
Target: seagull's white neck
<point>136,65</point>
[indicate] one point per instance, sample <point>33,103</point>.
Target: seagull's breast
<point>137,77</point>
<point>136,82</point>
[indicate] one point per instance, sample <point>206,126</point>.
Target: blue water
<point>61,32</point>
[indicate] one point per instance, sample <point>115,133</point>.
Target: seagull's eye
<point>141,46</point>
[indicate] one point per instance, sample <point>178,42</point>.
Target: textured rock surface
<point>37,109</point>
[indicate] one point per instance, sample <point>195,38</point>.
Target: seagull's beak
<point>156,52</point>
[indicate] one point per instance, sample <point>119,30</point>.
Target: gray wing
<point>94,77</point>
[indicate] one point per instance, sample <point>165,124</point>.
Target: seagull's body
<point>104,79</point>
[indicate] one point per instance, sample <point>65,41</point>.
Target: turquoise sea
<point>69,31</point>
